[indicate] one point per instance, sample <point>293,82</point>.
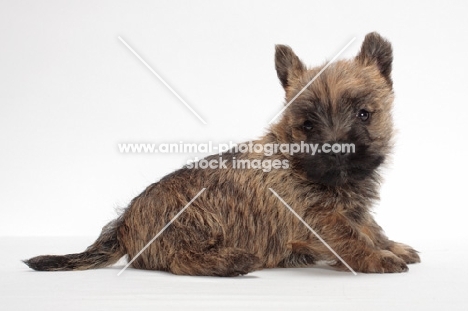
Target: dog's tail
<point>106,250</point>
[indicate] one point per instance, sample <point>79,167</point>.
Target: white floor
<point>438,283</point>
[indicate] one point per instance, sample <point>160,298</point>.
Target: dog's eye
<point>363,115</point>
<point>307,125</point>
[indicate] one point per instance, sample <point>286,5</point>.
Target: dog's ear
<point>288,65</point>
<point>378,51</point>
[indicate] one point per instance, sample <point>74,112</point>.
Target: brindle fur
<point>237,225</point>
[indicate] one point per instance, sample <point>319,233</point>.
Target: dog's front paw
<point>405,252</point>
<point>383,262</point>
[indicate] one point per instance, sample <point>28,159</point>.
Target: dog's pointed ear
<point>288,65</point>
<point>376,50</point>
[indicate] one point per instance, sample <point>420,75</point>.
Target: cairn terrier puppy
<point>237,225</point>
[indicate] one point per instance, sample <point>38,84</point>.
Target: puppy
<point>238,224</point>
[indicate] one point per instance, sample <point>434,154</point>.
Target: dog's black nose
<point>340,158</point>
<point>337,152</point>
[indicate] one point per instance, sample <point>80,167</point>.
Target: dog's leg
<point>355,248</point>
<point>214,262</point>
<point>299,255</point>
<point>380,240</point>
<point>405,252</point>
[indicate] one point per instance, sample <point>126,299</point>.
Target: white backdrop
<point>71,91</point>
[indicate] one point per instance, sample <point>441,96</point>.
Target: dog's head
<point>349,103</point>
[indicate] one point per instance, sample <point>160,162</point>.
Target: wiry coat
<point>237,225</point>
